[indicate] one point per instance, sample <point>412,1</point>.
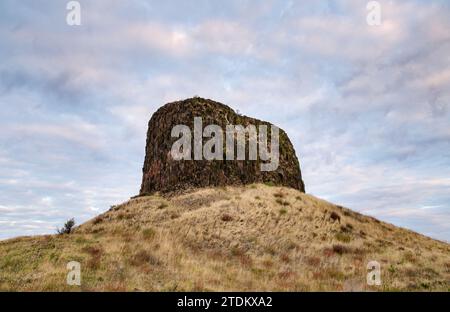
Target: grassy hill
<point>256,237</point>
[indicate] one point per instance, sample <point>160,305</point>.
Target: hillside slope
<point>256,237</point>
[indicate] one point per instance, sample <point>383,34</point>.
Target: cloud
<point>84,134</point>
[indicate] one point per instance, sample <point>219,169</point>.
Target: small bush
<point>283,211</point>
<point>226,218</point>
<point>81,240</point>
<point>282,202</point>
<point>162,206</point>
<point>425,285</point>
<point>143,257</point>
<point>148,233</point>
<point>334,273</point>
<point>335,216</point>
<point>125,216</point>
<point>344,229</point>
<point>97,230</point>
<point>447,267</point>
<point>270,250</point>
<point>285,258</point>
<point>348,228</point>
<point>67,228</point>
<point>340,249</point>
<point>283,275</point>
<point>246,260</point>
<point>392,269</point>
<point>409,257</point>
<point>268,263</point>
<point>237,252</point>
<point>429,273</point>
<point>97,220</point>
<point>313,261</point>
<point>94,263</point>
<point>328,252</point>
<point>93,251</point>
<point>342,237</point>
<point>96,254</point>
<point>278,195</point>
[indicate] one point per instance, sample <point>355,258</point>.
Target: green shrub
<point>226,218</point>
<point>342,237</point>
<point>67,228</point>
<point>340,249</point>
<point>148,233</point>
<point>162,206</point>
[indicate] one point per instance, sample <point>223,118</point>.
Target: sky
<point>366,107</point>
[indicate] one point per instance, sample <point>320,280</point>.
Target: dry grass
<point>224,239</point>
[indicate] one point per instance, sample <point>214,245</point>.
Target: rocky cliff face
<point>163,173</point>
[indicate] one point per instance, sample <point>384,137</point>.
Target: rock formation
<point>161,172</point>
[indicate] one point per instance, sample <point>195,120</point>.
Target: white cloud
<point>85,134</point>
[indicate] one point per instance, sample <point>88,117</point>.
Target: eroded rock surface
<point>164,174</point>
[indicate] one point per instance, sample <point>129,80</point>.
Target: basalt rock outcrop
<point>162,173</point>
